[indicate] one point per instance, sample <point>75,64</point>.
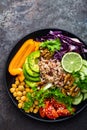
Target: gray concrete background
<point>17,19</point>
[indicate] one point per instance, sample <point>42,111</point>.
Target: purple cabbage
<point>68,44</point>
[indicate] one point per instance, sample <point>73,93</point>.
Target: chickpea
<point>18,98</point>
<point>24,93</point>
<point>27,99</point>
<point>14,85</point>
<point>21,87</point>
<point>27,90</point>
<point>12,90</point>
<point>26,86</point>
<point>31,109</point>
<point>37,107</point>
<point>35,110</point>
<point>27,111</point>
<point>16,78</point>
<point>20,105</point>
<point>23,98</point>
<point>15,94</point>
<point>19,93</point>
<point>23,83</point>
<point>33,105</point>
<point>36,102</point>
<point>16,89</point>
<point>17,82</point>
<point>31,90</point>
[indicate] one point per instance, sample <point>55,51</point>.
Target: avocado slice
<point>28,77</point>
<point>29,71</point>
<point>31,84</point>
<point>32,60</point>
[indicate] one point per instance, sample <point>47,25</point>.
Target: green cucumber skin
<point>28,77</point>
<point>29,71</point>
<point>77,100</point>
<point>84,96</point>
<point>84,90</point>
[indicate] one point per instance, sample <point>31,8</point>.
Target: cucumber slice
<point>85,96</point>
<point>77,100</point>
<point>82,75</point>
<point>84,62</point>
<point>84,70</point>
<point>84,90</point>
<point>78,94</point>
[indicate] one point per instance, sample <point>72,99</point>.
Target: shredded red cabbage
<point>68,44</point>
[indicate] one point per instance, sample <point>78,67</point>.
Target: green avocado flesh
<point>29,70</point>
<point>28,77</point>
<point>32,60</point>
<point>31,84</point>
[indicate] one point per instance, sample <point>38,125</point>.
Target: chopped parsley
<point>52,45</point>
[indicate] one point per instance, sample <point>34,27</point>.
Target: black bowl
<point>9,79</point>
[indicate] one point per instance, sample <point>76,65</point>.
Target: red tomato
<point>42,112</point>
<point>53,109</point>
<point>51,113</point>
<point>63,112</point>
<point>57,105</point>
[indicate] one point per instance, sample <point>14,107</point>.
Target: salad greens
<point>52,45</point>
<point>42,94</point>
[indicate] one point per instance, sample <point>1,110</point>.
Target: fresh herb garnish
<point>52,45</point>
<point>42,94</point>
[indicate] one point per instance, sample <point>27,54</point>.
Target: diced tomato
<point>42,112</point>
<point>57,105</point>
<point>53,109</point>
<point>64,112</point>
<point>51,113</point>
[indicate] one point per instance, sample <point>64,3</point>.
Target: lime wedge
<point>71,62</point>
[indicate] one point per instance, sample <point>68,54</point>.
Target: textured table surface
<point>17,19</point>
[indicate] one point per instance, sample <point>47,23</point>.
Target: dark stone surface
<point>17,19</point>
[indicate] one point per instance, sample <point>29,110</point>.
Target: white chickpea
<point>24,93</point>
<point>36,102</point>
<point>23,83</point>
<point>35,110</point>
<point>19,101</point>
<point>16,89</point>
<point>31,109</point>
<point>27,90</point>
<point>26,86</point>
<point>14,85</point>
<point>18,98</point>
<point>12,90</point>
<point>20,105</point>
<point>21,87</point>
<point>17,82</point>
<point>14,94</point>
<point>23,98</point>
<point>31,90</point>
<point>19,93</point>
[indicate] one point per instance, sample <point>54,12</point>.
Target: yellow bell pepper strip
<point>37,44</point>
<point>15,66</point>
<point>19,58</point>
